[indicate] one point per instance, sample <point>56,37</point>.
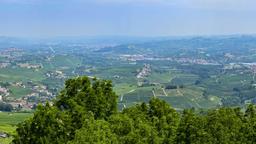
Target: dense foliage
<point>5,107</point>
<point>86,112</point>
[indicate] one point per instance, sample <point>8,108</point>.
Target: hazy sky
<point>43,18</point>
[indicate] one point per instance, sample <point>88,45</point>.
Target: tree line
<point>5,107</point>
<point>85,111</point>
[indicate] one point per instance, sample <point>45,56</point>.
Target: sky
<point>50,18</point>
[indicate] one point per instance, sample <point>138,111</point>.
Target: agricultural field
<point>198,72</point>
<point>8,122</point>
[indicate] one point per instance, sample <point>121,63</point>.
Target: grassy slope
<point>8,122</point>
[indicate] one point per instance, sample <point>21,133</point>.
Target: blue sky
<point>47,18</point>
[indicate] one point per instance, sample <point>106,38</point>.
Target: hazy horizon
<point>141,18</point>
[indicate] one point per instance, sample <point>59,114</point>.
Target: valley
<point>198,72</point>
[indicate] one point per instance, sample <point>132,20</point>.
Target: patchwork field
<point>8,122</point>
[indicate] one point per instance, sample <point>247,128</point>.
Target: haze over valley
<point>127,71</point>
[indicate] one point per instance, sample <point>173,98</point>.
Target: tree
<point>192,129</point>
<point>48,125</point>
<point>164,118</point>
<point>58,123</point>
<point>85,112</point>
<point>224,126</point>
<point>96,96</point>
<point>95,131</point>
<point>249,126</point>
<point>5,107</point>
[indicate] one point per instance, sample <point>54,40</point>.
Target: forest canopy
<point>85,111</point>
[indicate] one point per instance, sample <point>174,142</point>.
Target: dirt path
<point>179,93</point>
<point>164,92</point>
<point>153,93</point>
<point>121,98</point>
<point>131,91</point>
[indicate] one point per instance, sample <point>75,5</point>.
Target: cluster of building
<point>29,93</point>
<point>56,74</point>
<point>4,64</point>
<point>39,93</point>
<point>195,61</point>
<point>232,66</point>
<point>229,55</point>
<point>146,70</point>
<point>4,92</point>
<point>11,53</point>
<point>251,66</point>
<point>29,66</point>
<point>134,58</point>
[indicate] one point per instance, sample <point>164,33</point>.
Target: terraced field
<point>8,122</point>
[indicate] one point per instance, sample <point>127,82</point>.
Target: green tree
<point>224,126</point>
<point>192,129</point>
<point>164,118</point>
<point>94,131</point>
<point>58,123</point>
<point>86,112</point>
<point>249,126</point>
<point>48,125</point>
<point>96,96</point>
